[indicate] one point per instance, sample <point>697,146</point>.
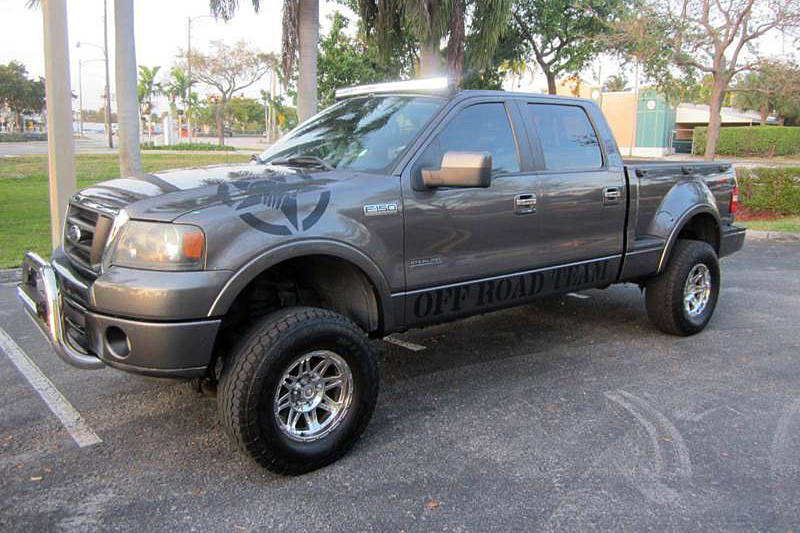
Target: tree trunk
<point>60,146</point>
<point>764,113</point>
<point>428,61</point>
<point>455,43</point>
<point>309,40</point>
<point>715,117</point>
<point>130,158</point>
<point>20,122</point>
<point>551,82</point>
<point>220,127</point>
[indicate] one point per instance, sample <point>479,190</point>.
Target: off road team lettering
<point>491,293</point>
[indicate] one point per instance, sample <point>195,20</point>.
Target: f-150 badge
<point>373,210</point>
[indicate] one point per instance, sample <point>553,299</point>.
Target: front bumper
<point>90,340</point>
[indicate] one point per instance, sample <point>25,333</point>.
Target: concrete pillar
<point>130,158</point>
<point>60,147</point>
<point>307,64</point>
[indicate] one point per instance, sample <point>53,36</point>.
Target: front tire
<point>300,391</point>
<point>682,299</point>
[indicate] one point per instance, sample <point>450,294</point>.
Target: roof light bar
<point>426,84</point>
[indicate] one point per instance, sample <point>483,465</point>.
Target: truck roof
<point>435,86</point>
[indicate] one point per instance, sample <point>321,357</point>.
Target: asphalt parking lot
<point>571,414</point>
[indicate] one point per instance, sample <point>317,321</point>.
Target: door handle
<point>525,203</point>
<point>611,195</point>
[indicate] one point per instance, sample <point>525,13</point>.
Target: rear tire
<point>300,391</point>
<point>681,300</point>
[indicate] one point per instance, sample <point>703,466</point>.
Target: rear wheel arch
<point>702,223</point>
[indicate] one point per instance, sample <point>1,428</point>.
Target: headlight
<point>159,246</point>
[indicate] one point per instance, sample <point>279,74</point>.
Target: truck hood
<point>165,196</point>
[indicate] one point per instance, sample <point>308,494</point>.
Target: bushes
<point>761,141</point>
<point>190,147</point>
<point>15,137</point>
<point>770,190</point>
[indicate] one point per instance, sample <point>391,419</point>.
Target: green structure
<point>655,121</point>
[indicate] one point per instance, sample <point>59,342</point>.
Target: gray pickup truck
<point>395,208</point>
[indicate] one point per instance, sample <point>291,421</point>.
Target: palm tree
<point>149,88</point>
<point>300,42</point>
<point>431,21</point>
<point>616,83</point>
<point>177,90</point>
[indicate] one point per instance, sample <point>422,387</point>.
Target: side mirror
<point>460,169</point>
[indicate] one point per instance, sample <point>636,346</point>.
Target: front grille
<point>85,234</point>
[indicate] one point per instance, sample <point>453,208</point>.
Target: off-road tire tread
<point>664,293</point>
<point>263,343</point>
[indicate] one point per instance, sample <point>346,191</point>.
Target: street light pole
<point>108,84</point>
<point>80,88</point>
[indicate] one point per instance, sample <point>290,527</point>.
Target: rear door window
<point>567,137</point>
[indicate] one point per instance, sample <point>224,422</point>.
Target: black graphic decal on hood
<point>279,193</point>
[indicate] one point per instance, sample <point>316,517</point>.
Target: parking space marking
<point>72,420</point>
<point>576,295</point>
<point>405,344</point>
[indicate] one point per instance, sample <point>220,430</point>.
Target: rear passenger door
<point>582,202</point>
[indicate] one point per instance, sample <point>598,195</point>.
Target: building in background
<point>650,125</point>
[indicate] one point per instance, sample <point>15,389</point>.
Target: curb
<point>11,275</point>
<point>775,236</point>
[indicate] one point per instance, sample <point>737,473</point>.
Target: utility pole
<point>189,74</point>
<point>60,147</point>
<point>80,96</point>
<point>108,77</point>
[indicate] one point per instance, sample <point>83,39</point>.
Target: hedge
<point>190,147</point>
<point>770,190</point>
<point>761,141</point>
<point>16,137</point>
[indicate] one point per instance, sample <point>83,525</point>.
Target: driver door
<point>456,235</point>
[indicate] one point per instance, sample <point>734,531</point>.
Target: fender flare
<point>681,223</point>
<point>271,257</point>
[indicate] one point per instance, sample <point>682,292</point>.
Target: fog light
<point>117,342</point>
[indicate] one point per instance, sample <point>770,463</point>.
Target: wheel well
<point>314,280</point>
<point>702,227</point>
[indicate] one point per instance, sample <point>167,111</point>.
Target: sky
<point>161,32</point>
<point>160,29</point>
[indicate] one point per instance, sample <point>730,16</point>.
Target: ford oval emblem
<point>74,233</point>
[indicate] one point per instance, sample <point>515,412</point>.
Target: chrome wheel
<point>697,290</point>
<point>313,395</point>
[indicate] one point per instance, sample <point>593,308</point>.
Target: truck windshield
<point>367,133</point>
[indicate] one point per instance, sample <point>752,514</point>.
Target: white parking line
<point>576,295</point>
<point>405,344</point>
<point>72,420</point>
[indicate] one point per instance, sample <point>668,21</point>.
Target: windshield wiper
<point>302,161</point>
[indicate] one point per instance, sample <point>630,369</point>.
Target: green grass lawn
<point>787,224</point>
<point>24,205</point>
